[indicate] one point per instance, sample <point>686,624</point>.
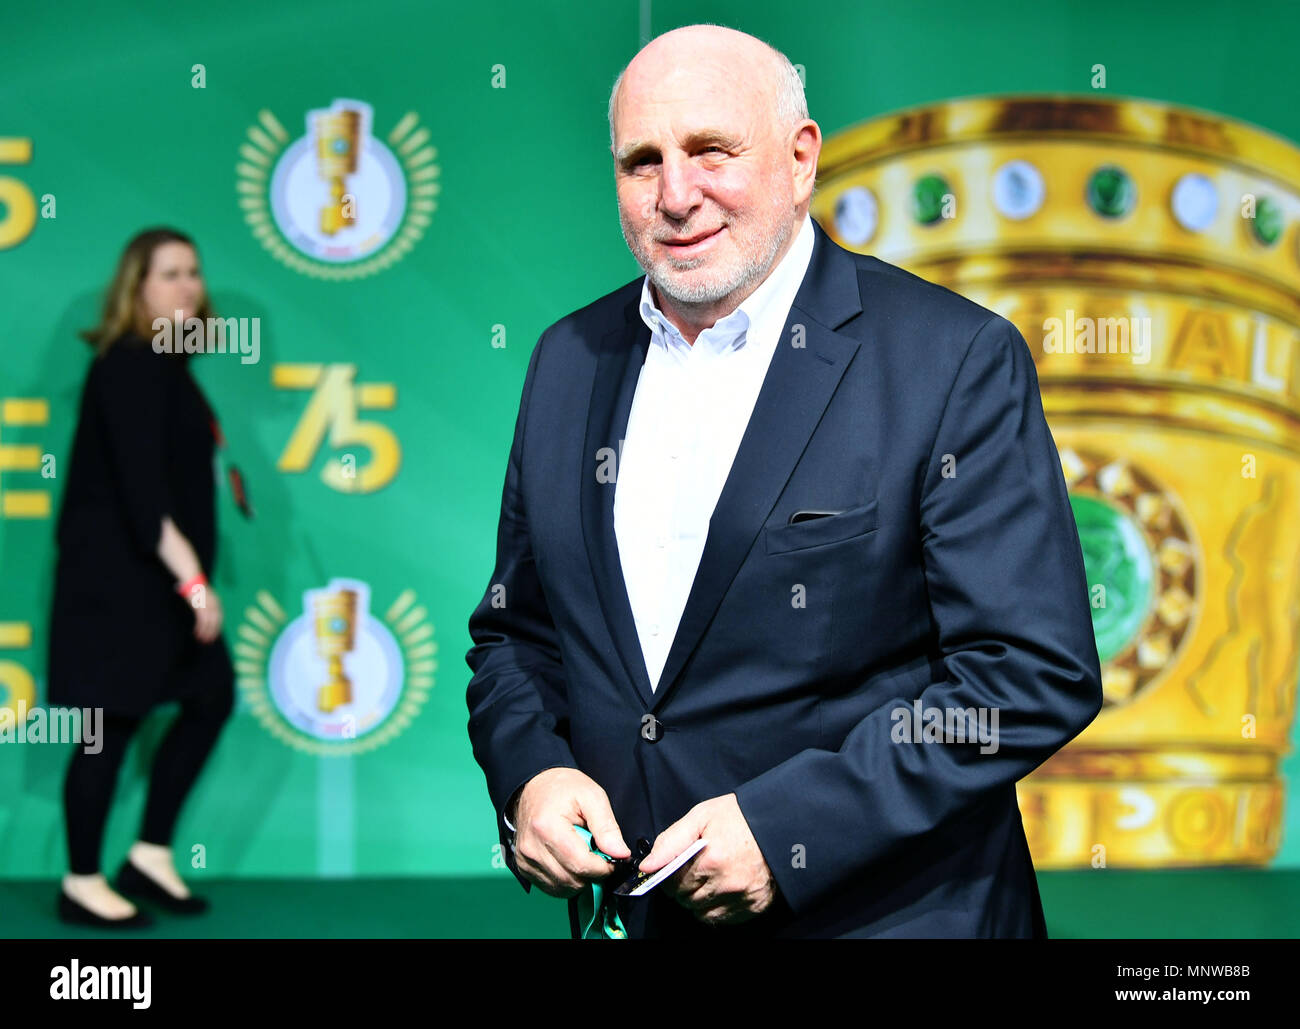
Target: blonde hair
<point>121,311</point>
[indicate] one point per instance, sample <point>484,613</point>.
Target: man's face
<point>705,182</point>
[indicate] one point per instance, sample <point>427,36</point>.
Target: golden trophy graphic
<point>338,142</point>
<point>1164,241</point>
<point>335,622</point>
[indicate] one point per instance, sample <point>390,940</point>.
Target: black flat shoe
<point>134,883</point>
<point>75,914</point>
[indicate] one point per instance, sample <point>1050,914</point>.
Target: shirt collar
<point>781,284</point>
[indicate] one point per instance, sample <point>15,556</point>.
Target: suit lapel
<point>618,366</point>
<point>799,384</point>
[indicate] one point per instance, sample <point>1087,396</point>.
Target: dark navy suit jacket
<point>951,573</point>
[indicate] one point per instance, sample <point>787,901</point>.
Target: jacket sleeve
<point>518,707</point>
<point>133,401</point>
<point>1008,598</point>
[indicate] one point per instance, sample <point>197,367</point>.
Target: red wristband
<point>185,588</point>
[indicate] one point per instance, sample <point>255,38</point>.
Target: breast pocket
<point>822,530</point>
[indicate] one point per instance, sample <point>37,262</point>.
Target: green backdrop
<point>525,230</point>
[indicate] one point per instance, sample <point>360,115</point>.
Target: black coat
<point>953,592</point>
<point>120,637</point>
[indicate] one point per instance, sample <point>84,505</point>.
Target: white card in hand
<point>644,883</point>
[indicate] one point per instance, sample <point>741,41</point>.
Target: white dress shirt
<point>690,410</point>
<point>691,407</point>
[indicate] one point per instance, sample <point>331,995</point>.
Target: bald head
<point>715,160</point>
<point>714,51</point>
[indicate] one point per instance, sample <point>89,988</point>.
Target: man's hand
<point>547,850</point>
<point>728,881</point>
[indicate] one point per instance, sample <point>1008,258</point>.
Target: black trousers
<point>91,778</point>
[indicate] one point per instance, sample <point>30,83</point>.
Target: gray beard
<point>754,269</point>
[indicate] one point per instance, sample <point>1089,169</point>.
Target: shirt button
<point>654,629</point>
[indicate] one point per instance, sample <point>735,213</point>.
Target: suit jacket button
<point>651,728</point>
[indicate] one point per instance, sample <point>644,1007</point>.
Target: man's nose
<point>679,186</point>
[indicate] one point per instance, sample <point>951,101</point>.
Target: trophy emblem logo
<point>336,679</point>
<point>338,134</point>
<point>338,202</point>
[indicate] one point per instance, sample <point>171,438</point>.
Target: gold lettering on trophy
<point>1204,345</point>
<point>1197,821</point>
<point>1289,344</point>
<point>1259,355</point>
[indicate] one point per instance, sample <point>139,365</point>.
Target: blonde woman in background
<point>135,621</point>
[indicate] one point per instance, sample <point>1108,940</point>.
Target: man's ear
<point>806,149</point>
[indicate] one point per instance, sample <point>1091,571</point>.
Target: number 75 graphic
<point>15,198</point>
<point>334,403</point>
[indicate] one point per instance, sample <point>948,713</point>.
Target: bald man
<point>771,513</point>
